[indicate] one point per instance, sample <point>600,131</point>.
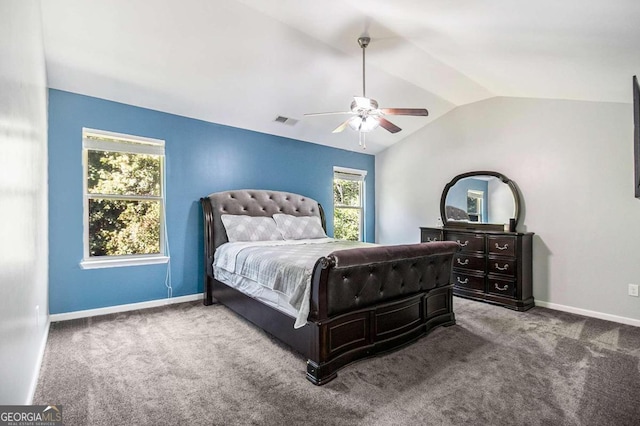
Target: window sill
<point>120,262</point>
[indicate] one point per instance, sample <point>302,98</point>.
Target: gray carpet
<point>188,364</point>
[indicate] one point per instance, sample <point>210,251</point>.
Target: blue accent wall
<point>201,158</point>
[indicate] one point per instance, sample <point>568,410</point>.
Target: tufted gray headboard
<point>255,202</point>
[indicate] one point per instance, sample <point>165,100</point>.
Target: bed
<point>361,301</point>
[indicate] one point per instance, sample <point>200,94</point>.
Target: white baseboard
<point>123,308</point>
<point>36,374</point>
<point>588,313</point>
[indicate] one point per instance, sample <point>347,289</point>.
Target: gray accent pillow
<point>299,227</point>
<point>250,228</point>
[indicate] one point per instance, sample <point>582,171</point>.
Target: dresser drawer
<point>469,262</point>
<point>429,235</point>
<point>470,282</point>
<point>492,265</point>
<point>503,245</point>
<point>468,242</point>
<point>501,286</point>
<point>501,265</point>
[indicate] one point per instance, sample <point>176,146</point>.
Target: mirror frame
<point>636,135</point>
<point>474,225</point>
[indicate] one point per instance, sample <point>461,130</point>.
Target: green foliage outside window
<point>131,225</point>
<point>346,224</point>
<point>346,192</point>
<point>347,212</point>
<point>473,205</point>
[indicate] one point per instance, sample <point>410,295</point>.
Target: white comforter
<point>282,266</point>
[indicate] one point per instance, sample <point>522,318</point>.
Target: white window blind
<point>349,174</point>
<point>115,142</point>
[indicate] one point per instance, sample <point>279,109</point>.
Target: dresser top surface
<point>473,231</point>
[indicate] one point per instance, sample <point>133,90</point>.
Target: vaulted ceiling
<point>244,62</point>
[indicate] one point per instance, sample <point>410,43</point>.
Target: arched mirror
<point>484,200</point>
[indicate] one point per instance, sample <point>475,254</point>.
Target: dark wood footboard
<point>377,329</point>
<point>371,300</point>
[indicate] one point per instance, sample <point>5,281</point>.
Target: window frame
<point>358,175</point>
<point>478,196</point>
<point>126,144</point>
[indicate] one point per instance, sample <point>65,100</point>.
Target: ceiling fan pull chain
<point>362,139</point>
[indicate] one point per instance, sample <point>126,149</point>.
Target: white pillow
<point>250,228</point>
<point>299,227</point>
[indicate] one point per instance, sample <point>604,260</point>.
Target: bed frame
<point>363,301</point>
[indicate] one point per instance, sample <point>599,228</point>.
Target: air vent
<point>286,120</point>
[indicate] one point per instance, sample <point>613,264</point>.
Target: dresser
<point>492,266</point>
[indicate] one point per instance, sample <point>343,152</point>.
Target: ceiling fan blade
<point>405,111</point>
<point>342,126</point>
<point>386,124</point>
<point>327,113</point>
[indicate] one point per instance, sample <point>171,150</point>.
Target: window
<point>123,200</point>
<point>474,205</point>
<point>348,204</point>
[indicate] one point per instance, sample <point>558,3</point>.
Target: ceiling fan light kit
<point>366,115</point>
<point>364,124</point>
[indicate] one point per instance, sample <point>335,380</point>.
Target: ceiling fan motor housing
<point>361,107</point>
<point>364,41</point>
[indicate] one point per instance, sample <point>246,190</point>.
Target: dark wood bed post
<point>323,219</point>
<point>209,248</point>
<point>318,308</point>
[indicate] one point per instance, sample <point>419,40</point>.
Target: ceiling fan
<point>366,116</point>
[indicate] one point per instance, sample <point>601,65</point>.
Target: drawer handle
<point>466,261</point>
<point>466,280</point>
<point>506,246</point>
<point>463,245</point>
<point>506,266</point>
<point>429,239</point>
<point>506,286</point>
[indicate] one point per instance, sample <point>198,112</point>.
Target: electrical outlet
<point>633,290</point>
<point>37,315</point>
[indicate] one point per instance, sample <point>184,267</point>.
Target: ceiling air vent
<point>286,120</point>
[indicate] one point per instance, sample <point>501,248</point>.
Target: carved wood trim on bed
<point>363,301</point>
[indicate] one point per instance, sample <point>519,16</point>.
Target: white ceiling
<point>244,62</point>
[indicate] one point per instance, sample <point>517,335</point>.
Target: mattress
<point>264,294</point>
<point>277,272</point>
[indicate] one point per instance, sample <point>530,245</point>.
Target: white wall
<point>23,200</point>
<point>501,203</point>
<point>573,163</point>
